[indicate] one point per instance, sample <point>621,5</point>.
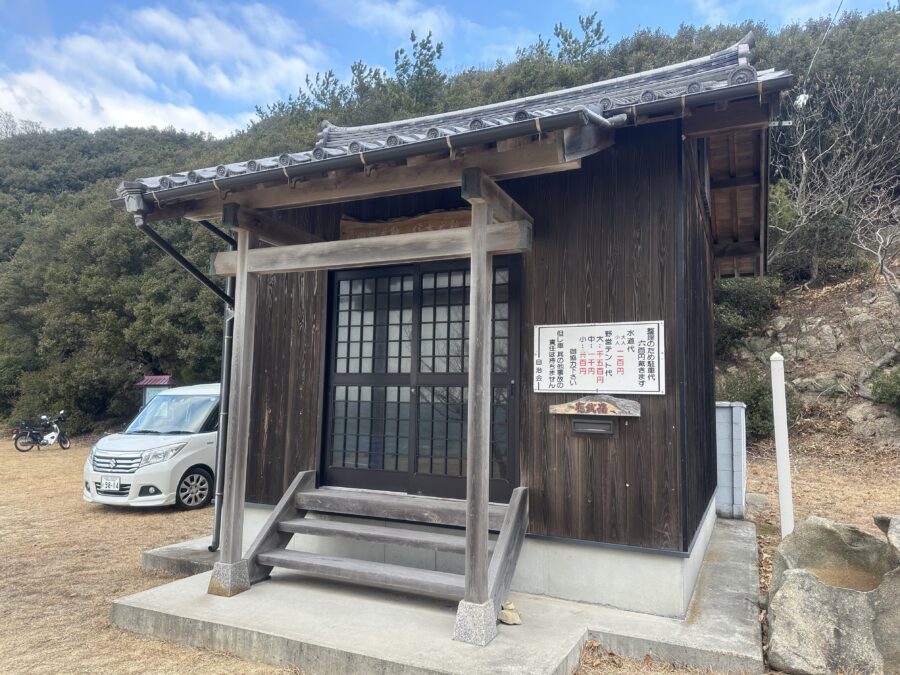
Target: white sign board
<point>600,358</point>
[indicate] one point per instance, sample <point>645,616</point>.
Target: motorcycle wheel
<point>64,442</point>
<point>23,443</point>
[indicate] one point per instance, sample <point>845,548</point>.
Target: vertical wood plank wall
<point>604,250</point>
<point>287,374</point>
<point>699,449</point>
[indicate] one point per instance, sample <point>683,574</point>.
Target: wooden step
<point>434,541</point>
<point>410,508</point>
<point>381,575</point>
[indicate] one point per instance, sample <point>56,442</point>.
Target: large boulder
<point>874,421</point>
<point>834,600</point>
<point>820,629</point>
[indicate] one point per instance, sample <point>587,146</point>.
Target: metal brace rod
<point>221,235</point>
<point>181,260</point>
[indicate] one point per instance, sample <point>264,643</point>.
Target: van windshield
<point>172,414</point>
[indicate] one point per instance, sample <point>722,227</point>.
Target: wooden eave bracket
<point>479,188</point>
<point>265,226</point>
<point>580,142</point>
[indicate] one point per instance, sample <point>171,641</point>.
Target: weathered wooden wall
<point>604,250</point>
<point>605,247</point>
<point>287,371</point>
<point>699,422</point>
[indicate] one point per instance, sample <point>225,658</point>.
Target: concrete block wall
<point>731,458</point>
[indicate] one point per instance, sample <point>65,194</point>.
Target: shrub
<point>824,247</point>
<point>94,391</point>
<point>755,390</point>
<point>841,268</point>
<point>886,387</point>
<point>742,307</point>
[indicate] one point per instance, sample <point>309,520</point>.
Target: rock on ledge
<point>834,601</point>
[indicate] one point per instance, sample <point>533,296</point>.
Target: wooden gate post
<point>231,574</point>
<point>476,620</point>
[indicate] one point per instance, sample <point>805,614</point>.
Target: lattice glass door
<point>396,408</point>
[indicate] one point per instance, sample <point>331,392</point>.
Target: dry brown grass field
<point>64,561</point>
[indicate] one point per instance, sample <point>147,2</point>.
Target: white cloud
<point>491,44</point>
<point>395,17</point>
<point>599,6</point>
<point>713,12</point>
<point>719,11</point>
<point>472,41</point>
<point>43,97</point>
<point>230,55</point>
<point>789,12</point>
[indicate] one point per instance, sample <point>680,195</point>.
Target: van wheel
<point>194,489</point>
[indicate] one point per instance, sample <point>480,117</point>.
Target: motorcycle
<point>47,432</point>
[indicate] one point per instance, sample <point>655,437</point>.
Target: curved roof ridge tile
<point>726,68</point>
<point>523,101</point>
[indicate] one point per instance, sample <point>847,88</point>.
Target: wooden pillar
<point>479,407</point>
<point>239,410</point>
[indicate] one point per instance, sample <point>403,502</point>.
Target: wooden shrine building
<point>494,324</point>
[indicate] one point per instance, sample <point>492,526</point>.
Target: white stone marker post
<point>782,456</point>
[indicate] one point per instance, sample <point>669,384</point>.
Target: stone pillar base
<point>475,624</point>
<point>229,579</point>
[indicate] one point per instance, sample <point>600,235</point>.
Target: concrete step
<point>410,508</point>
<point>436,541</point>
<point>380,575</point>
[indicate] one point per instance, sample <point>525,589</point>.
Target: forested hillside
<point>88,304</point>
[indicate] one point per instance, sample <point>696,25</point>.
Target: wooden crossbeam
<point>382,180</point>
<point>424,222</point>
<point>736,249</point>
<point>734,183</point>
<point>509,237</point>
<point>479,188</point>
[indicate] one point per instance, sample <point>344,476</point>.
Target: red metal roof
<point>157,381</point>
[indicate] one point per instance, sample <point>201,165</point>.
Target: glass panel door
<point>396,416</point>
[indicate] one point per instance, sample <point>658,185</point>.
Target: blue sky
<point>204,66</point>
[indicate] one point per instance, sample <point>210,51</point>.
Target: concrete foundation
<point>229,579</point>
<point>331,628</point>
<point>475,623</point>
<point>632,579</point>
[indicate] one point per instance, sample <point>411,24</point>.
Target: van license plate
<point>109,482</point>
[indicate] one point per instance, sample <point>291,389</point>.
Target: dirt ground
<point>62,563</point>
<point>833,475</point>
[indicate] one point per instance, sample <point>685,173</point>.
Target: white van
<point>165,456</point>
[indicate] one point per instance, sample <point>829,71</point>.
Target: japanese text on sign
<point>607,358</point>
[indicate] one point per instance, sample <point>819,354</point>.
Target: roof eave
<point>554,122</point>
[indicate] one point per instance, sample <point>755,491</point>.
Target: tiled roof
<point>633,93</point>
<point>157,381</point>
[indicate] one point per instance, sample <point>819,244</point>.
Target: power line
<point>825,35</point>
